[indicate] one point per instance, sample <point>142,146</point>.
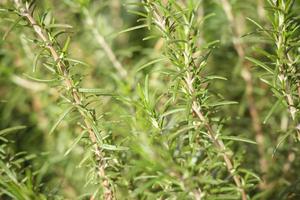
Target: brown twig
<point>63,70</point>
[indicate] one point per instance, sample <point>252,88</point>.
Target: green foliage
<point>152,99</point>
<point>283,75</point>
<point>17,179</point>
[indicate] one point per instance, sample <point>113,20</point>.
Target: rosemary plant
<point>282,75</point>
<point>16,178</point>
<point>58,63</point>
<point>179,25</point>
<point>150,99</point>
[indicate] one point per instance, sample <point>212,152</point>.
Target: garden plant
<point>149,99</point>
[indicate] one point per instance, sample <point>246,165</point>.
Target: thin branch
<point>284,59</point>
<point>77,98</point>
<point>196,108</point>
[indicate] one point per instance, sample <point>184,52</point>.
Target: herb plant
<point>150,99</point>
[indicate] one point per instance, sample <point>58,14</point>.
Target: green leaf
<point>48,67</point>
<point>150,63</point>
<point>267,82</point>
<point>146,88</point>
<point>78,138</point>
<point>151,37</point>
<point>113,147</point>
<point>11,28</point>
<point>254,22</point>
<point>261,64</point>
<point>11,129</point>
<point>133,28</point>
<point>238,139</point>
<point>272,110</point>
<point>3,10</point>
<point>181,131</point>
<point>62,116</point>
<point>59,26</point>
<point>76,61</point>
<point>67,43</point>
<point>40,80</point>
<point>3,139</point>
<point>222,103</point>
<point>11,175</point>
<point>96,91</point>
<point>281,140</point>
<point>249,173</point>
<point>35,61</point>
<point>212,77</point>
<point>170,112</point>
<point>138,13</point>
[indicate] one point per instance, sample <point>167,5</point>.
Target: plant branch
<point>77,97</point>
<point>284,62</point>
<point>196,107</point>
